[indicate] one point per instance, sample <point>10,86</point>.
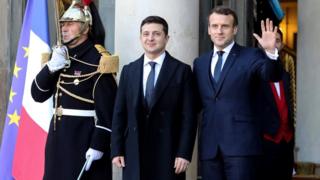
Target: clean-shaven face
<point>70,31</point>
<point>221,30</point>
<point>153,39</point>
<point>279,44</point>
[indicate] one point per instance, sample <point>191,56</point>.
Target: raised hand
<point>58,59</point>
<point>268,37</point>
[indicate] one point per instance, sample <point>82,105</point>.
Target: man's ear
<point>235,30</point>
<point>281,47</point>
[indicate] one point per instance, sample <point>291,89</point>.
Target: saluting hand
<point>58,58</point>
<point>268,38</point>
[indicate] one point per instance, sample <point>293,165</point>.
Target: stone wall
<point>308,82</point>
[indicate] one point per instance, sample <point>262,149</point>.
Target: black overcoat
<point>150,140</point>
<point>67,144</point>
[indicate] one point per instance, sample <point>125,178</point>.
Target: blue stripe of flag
<point>35,19</point>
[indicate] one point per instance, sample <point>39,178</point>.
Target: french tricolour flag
<point>27,122</point>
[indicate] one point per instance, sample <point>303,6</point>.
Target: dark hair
<point>157,20</point>
<point>280,33</point>
<point>225,11</point>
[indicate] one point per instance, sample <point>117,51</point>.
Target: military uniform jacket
<point>70,137</point>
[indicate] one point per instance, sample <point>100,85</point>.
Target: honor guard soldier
<point>79,75</point>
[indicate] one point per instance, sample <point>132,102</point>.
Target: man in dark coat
<point>154,121</point>
<point>227,79</point>
<point>276,115</point>
<point>83,102</point>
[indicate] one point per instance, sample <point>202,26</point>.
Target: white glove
<point>91,156</point>
<point>58,59</point>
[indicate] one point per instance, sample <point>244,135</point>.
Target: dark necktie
<point>150,84</point>
<point>217,69</point>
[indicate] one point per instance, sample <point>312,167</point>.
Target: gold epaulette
<point>108,63</point>
<point>45,58</point>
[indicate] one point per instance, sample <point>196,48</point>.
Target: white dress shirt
<point>227,50</point>
<point>277,86</point>
<point>214,60</point>
<point>147,68</point>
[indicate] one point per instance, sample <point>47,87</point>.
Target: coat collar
<point>166,72</point>
<point>270,96</point>
<point>80,50</point>
<point>136,84</point>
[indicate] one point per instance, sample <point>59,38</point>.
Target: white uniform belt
<point>75,112</point>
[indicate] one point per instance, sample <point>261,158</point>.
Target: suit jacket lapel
<point>287,91</point>
<point>166,72</point>
<point>285,81</point>
<point>208,75</point>
<point>227,66</point>
<point>271,98</point>
<point>286,85</point>
<point>136,83</point>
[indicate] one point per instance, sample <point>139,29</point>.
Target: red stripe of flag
<point>28,160</point>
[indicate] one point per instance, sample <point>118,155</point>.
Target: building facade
<point>188,38</point>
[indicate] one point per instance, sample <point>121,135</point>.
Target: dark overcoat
<point>150,140</point>
<point>68,142</point>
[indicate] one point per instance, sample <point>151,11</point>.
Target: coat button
<point>134,128</point>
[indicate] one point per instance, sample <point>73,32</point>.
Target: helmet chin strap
<point>83,28</point>
<point>72,40</point>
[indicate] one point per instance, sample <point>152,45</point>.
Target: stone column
<point>107,13</point>
<point>181,15</point>
<point>11,13</point>
<point>308,82</point>
<point>183,19</point>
